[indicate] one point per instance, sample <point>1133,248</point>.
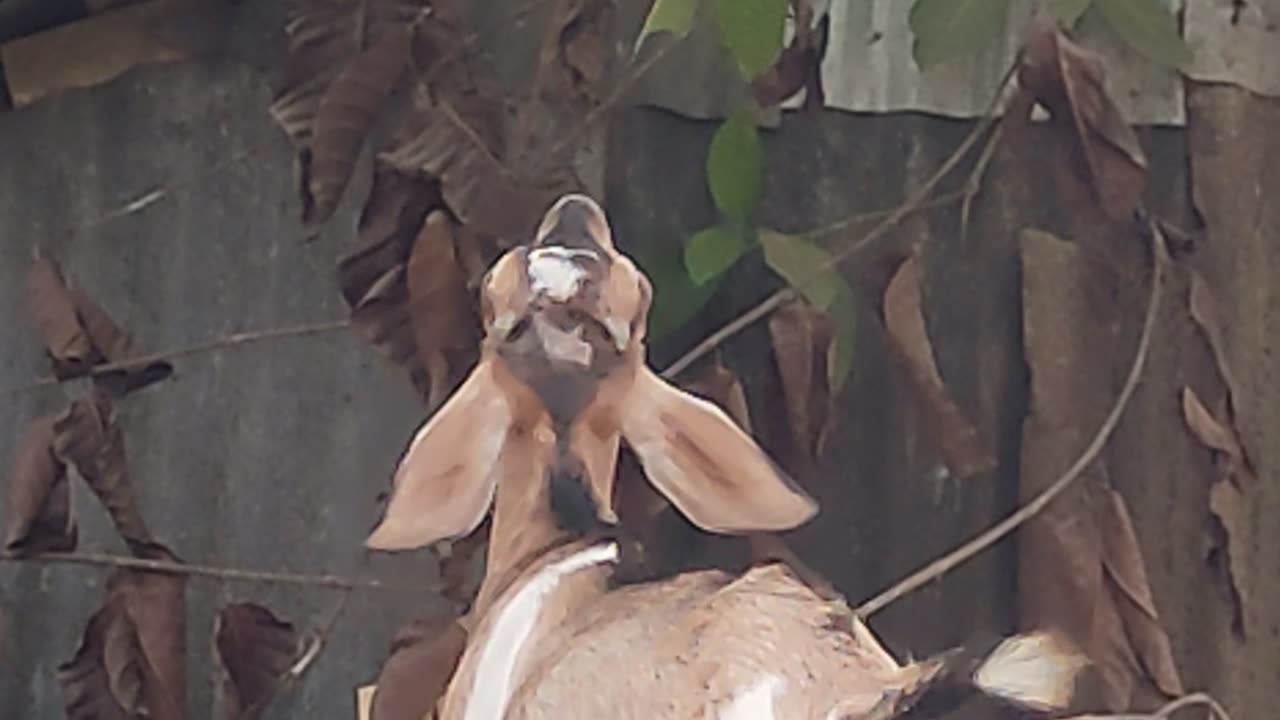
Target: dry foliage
<point>258,652</point>
<point>958,441</point>
<point>1070,82</point>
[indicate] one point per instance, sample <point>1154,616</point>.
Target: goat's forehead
<point>576,215</point>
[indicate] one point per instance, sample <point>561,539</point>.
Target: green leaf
<point>1149,27</point>
<point>807,266</point>
<point>734,167</point>
<point>944,29</point>
<point>753,31</point>
<point>812,271</point>
<point>712,250</point>
<point>676,298</point>
<point>1069,12</point>
<point>673,16</point>
<point>844,315</point>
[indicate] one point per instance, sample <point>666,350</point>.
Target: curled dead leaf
<point>1070,82</point>
<point>54,312</point>
<point>131,662</point>
<point>79,335</point>
<point>257,651</point>
<point>344,117</point>
<point>372,275</point>
<point>324,37</point>
<point>39,496</point>
<point>1226,496</point>
<point>798,67</point>
<point>802,337</point>
<point>1229,508</point>
<point>963,450</point>
<point>423,657</point>
<point>88,437</point>
<point>1208,316</point>
<point>443,312</point>
<point>1131,593</point>
<point>457,142</point>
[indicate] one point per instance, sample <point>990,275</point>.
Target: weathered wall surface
<point>265,456</point>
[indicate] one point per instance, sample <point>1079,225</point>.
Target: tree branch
<point>220,573</point>
<point>226,341</point>
<point>989,537</point>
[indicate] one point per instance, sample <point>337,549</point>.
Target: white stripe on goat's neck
<point>491,690</point>
<point>553,269</point>
<point>756,703</point>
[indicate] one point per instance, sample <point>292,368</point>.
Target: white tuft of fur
<point>1037,670</point>
<point>553,270</point>
<point>756,703</point>
<point>495,674</point>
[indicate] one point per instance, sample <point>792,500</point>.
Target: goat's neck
<point>523,529</point>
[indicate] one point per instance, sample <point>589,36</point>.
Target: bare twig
<point>546,56</point>
<point>973,185</point>
<point>220,573</point>
<point>1199,699</point>
<point>145,200</point>
<point>218,343</point>
<point>912,204</point>
<point>987,538</point>
<point>599,111</point>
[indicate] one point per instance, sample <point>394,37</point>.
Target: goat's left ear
<point>445,482</point>
<point>706,465</point>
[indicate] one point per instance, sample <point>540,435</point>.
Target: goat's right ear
<point>707,466</point>
<point>445,482</point>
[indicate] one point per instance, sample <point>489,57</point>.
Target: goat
<point>561,379</point>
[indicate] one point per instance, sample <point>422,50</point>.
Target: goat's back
<point>704,645</point>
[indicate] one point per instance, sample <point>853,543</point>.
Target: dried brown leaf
<point>423,658</point>
<point>721,386</point>
<point>802,336</point>
<point>78,334</point>
<point>443,312</point>
<point>1131,592</point>
<point>456,141</point>
<point>963,450</point>
<point>1069,81</point>
<point>1226,493</point>
<point>345,114</point>
<point>372,275</point>
<point>1227,503</point>
<point>257,650</point>
<point>459,575</point>
<point>39,497</point>
<point>324,37</point>
<point>582,48</point>
<point>116,346</point>
<point>1205,311</point>
<point>88,437</point>
<point>132,659</point>
<point>1213,434</point>
<point>799,66</point>
<point>54,311</point>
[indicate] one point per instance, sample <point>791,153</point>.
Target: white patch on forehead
<point>554,270</point>
<point>494,681</point>
<point>756,703</point>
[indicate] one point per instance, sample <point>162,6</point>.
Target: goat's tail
<point>1033,673</point>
